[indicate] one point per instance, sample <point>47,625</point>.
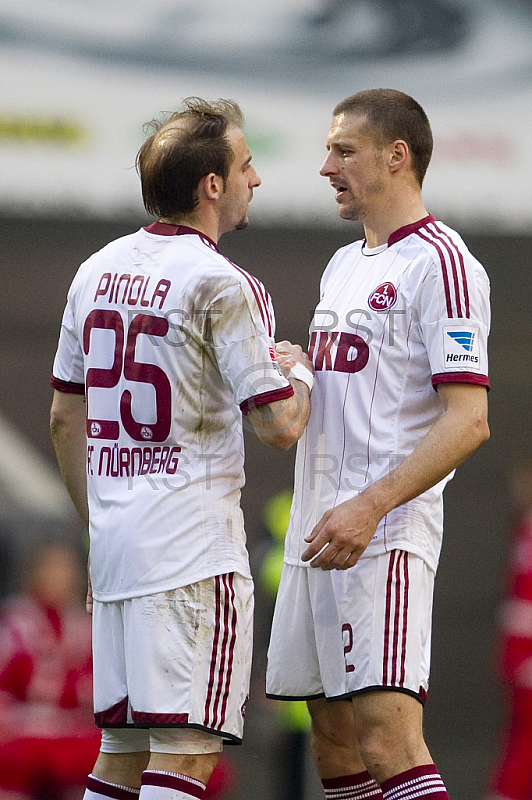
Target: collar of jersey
<point>401,233</point>
<point>165,229</point>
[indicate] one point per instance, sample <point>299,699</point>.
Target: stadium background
<point>78,82</point>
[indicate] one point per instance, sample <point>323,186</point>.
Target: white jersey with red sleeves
<point>392,324</point>
<point>170,342</point>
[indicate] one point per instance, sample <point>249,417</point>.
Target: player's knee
<point>332,727</point>
<point>124,755</point>
<point>374,748</point>
<point>382,742</point>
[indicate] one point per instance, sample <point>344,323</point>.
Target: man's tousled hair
<point>183,148</point>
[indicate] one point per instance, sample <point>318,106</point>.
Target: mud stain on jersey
<point>207,289</point>
<point>209,426</point>
<point>204,307</point>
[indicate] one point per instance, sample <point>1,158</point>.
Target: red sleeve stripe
<point>262,300</point>
<point>271,312</point>
<point>453,270</point>
<point>444,274</point>
<point>265,297</point>
<point>66,386</point>
<point>454,252</point>
<point>454,246</point>
<point>460,377</point>
<point>266,397</point>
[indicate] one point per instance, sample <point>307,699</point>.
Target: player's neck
<point>199,222</point>
<point>379,227</point>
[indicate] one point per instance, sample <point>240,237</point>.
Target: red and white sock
<point>160,785</point>
<point>96,789</point>
<point>352,787</point>
<point>417,783</point>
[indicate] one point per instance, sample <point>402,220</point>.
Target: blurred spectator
<point>512,776</point>
<point>48,740</point>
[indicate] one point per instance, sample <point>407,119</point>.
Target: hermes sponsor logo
<point>461,348</point>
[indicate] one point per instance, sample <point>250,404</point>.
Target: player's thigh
<point>333,721</point>
<point>389,727</point>
<point>394,716</point>
<point>385,610</point>
<point>188,655</point>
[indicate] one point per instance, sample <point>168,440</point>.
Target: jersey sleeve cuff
<point>66,386</point>
<point>266,397</point>
<point>460,377</point>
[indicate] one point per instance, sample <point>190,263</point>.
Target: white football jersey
<point>392,323</point>
<point>170,342</point>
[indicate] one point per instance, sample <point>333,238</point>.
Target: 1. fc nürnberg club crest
<point>383,297</point>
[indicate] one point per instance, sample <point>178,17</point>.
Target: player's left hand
<point>342,535</point>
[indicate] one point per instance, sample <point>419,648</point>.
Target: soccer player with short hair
<point>398,344</point>
<point>164,345</point>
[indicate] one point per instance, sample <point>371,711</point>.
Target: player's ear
<point>212,185</point>
<point>398,155</point>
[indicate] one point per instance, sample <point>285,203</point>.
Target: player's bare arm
<point>67,427</point>
<point>282,423</point>
<point>344,532</point>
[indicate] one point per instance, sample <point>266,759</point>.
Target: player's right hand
<point>89,600</point>
<point>341,535</point>
<point>288,355</point>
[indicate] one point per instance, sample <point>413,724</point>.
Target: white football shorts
<point>336,633</point>
<point>176,659</point>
